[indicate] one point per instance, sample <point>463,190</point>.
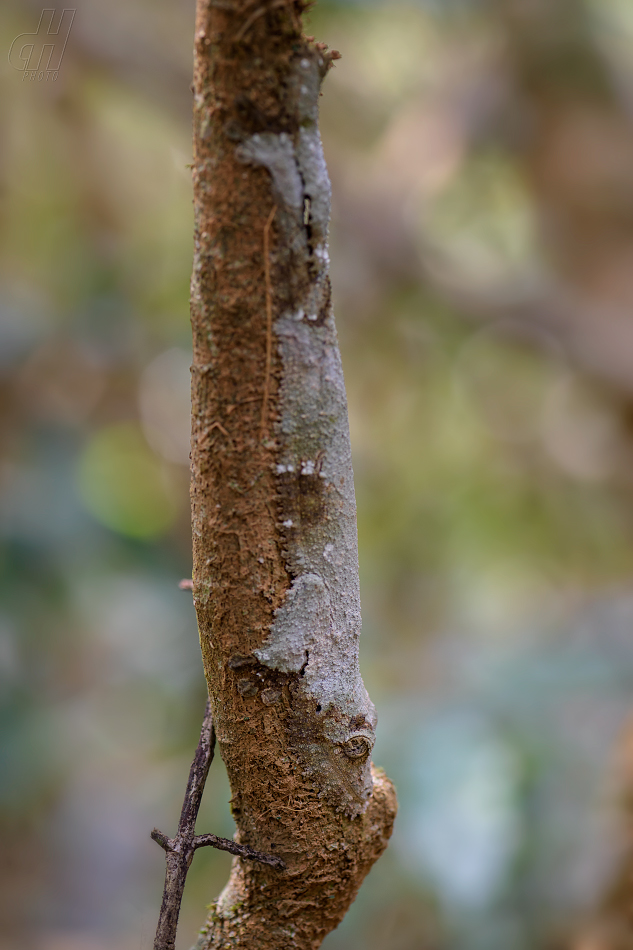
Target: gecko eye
<point>357,746</point>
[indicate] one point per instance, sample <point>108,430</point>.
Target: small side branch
<point>166,843</point>
<point>179,851</point>
<point>241,850</point>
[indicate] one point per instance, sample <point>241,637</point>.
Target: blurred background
<point>481,155</point>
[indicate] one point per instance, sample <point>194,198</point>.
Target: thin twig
<point>269,317</point>
<point>179,851</point>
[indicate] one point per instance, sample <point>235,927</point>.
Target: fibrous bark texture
<point>274,519</point>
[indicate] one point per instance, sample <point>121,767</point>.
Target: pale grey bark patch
<point>305,611</point>
<point>319,622</point>
<point>316,630</point>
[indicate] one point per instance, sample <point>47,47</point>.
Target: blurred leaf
<point>123,484</point>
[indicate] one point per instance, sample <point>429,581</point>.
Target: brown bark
<point>273,512</point>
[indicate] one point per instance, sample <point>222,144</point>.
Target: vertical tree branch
<point>273,510</point>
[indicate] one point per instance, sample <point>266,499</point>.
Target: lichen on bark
<point>273,509</point>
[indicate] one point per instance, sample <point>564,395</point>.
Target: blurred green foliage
<point>121,483</point>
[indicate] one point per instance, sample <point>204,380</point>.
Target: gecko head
<point>346,759</point>
<point>358,745</point>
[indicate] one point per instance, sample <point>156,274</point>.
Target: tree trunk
<point>274,519</point>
